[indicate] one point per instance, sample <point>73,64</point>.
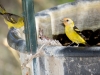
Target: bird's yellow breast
<point>73,36</point>
<point>19,24</point>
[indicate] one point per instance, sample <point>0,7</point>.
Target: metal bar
<point>62,51</point>
<point>30,29</point>
<point>26,26</point>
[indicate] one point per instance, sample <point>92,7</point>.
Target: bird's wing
<point>11,17</point>
<point>2,9</point>
<point>79,32</point>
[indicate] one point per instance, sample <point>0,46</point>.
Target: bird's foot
<point>74,45</point>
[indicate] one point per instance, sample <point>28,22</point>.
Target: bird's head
<point>68,22</point>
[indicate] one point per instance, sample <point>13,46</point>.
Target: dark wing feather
<point>11,17</point>
<point>2,9</point>
<point>79,32</point>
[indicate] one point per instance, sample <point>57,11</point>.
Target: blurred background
<point>9,58</point>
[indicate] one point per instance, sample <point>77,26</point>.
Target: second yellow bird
<point>11,20</point>
<point>73,32</point>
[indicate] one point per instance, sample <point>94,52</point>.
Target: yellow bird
<point>72,32</point>
<point>11,20</point>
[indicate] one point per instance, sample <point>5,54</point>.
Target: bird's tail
<point>2,10</point>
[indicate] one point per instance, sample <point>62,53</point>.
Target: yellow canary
<point>11,20</point>
<point>72,32</point>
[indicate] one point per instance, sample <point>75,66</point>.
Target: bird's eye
<point>67,20</point>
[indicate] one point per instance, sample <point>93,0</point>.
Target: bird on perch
<point>73,33</point>
<point>10,19</point>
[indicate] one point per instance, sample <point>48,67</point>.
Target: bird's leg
<point>70,44</point>
<point>73,44</point>
<point>77,45</point>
